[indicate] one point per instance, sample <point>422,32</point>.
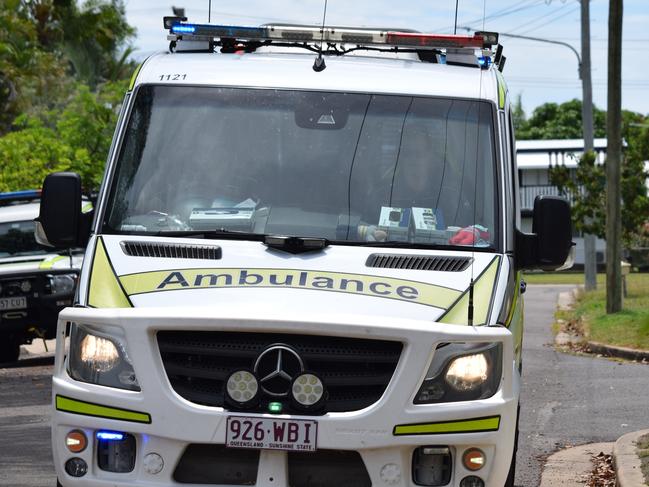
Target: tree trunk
<point>614,159</point>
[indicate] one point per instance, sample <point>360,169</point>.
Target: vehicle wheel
<point>9,349</point>
<point>512,466</point>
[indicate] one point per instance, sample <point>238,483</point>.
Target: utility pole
<point>614,159</point>
<point>590,257</point>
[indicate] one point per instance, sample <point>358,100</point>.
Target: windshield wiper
<point>293,245</point>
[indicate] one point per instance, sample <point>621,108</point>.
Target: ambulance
<point>303,268</point>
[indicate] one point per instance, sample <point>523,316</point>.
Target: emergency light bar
<point>345,35</point>
<point>27,195</point>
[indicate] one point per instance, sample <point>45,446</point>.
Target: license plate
<point>7,304</point>
<point>271,433</point>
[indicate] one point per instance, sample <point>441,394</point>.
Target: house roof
<point>540,154</point>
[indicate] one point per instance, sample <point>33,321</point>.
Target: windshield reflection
<point>345,167</point>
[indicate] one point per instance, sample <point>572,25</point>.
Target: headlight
<point>462,372</point>
<point>467,373</point>
<point>63,283</point>
<point>100,359</point>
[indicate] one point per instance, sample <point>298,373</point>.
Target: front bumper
<point>42,308</point>
<point>372,432</point>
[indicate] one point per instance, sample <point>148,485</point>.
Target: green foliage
<point>587,190</point>
<point>518,114</point>
<point>553,121</point>
<point>29,75</point>
<point>74,138</point>
<point>64,68</point>
<point>91,36</point>
<point>587,185</point>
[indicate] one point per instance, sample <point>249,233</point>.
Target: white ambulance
<point>304,267</point>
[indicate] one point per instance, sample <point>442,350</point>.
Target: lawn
<point>575,278</point>
<point>629,327</point>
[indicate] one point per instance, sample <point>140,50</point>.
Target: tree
<point>587,185</point>
<point>553,121</point>
<point>73,138</point>
<point>29,76</point>
<point>63,71</point>
<point>92,36</point>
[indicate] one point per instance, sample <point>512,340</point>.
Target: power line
<point>501,13</point>
<point>554,12</point>
<point>553,20</point>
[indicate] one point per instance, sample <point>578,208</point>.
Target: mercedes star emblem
<point>276,367</point>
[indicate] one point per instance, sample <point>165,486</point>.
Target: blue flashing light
<point>31,193</point>
<point>484,61</point>
<point>110,436</point>
<point>183,29</point>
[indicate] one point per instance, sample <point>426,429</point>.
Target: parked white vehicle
<point>35,283</point>
<point>297,276</point>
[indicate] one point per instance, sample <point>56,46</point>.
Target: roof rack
<point>252,37</point>
<point>19,196</point>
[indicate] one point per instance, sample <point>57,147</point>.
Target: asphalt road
<point>566,400</point>
<point>571,400</point>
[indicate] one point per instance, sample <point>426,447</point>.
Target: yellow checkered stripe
<point>74,406</point>
<point>477,425</point>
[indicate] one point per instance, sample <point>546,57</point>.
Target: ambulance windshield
<point>350,168</point>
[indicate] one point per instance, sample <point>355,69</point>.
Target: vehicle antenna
<point>209,11</point>
<point>319,64</point>
<point>457,2</point>
<point>475,188</point>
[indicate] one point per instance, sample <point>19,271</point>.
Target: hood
<point>129,271</point>
<point>36,262</point>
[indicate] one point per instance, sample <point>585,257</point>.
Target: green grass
<point>643,453</point>
<point>575,278</point>
<point>629,327</point>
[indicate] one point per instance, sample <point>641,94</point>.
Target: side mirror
<point>549,245</point>
<point>61,221</point>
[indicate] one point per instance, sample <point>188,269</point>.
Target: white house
<point>534,159</point>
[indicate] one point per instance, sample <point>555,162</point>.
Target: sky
<point>539,72</point>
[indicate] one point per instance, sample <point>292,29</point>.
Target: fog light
<point>242,388</point>
<point>473,459</point>
<point>76,441</point>
<point>391,474</point>
<point>307,391</point>
<point>115,451</point>
<point>472,481</point>
<point>76,467</point>
<point>153,463</point>
<point>431,465</point>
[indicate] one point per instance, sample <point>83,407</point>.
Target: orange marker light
<point>473,459</point>
<point>76,441</point>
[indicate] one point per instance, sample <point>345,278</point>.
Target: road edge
<point>626,460</point>
<point>571,466</point>
<point>565,301</point>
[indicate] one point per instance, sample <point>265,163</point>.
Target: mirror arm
<point>526,255</point>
